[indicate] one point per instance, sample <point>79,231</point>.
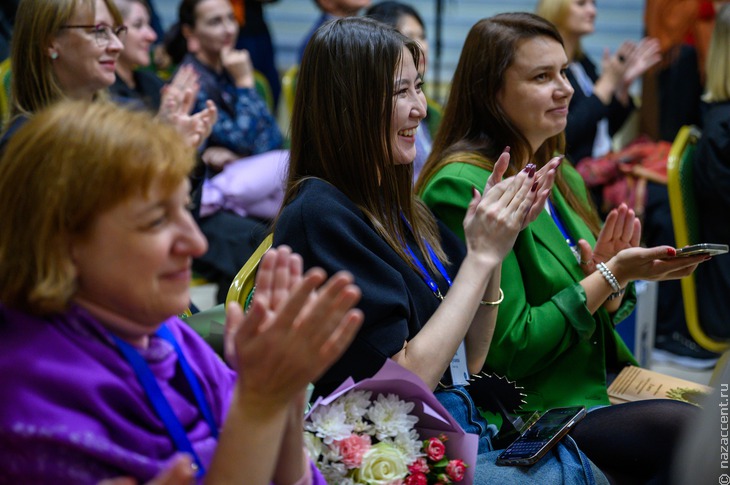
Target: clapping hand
<point>294,330</point>
<point>640,58</point>
<point>621,230</point>
<point>494,218</point>
<point>178,99</point>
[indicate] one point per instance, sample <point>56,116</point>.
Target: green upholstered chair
<point>686,225</point>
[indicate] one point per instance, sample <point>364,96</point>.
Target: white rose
<point>382,464</point>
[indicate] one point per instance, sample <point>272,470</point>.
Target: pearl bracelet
<point>609,277</point>
<point>496,302</point>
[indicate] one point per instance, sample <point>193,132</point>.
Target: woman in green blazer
<point>566,284</point>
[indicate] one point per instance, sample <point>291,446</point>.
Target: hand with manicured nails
<point>655,264</point>
<point>494,219</point>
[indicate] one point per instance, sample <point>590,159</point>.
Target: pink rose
<point>352,449</point>
<point>419,466</point>
<point>416,478</point>
<point>435,449</point>
<point>456,470</point>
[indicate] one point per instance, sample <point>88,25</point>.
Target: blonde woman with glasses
<point>67,49</point>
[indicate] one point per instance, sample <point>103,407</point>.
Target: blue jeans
<point>565,463</point>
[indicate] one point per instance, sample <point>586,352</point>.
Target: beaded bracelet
<point>609,277</point>
<point>496,302</point>
<point>613,296</point>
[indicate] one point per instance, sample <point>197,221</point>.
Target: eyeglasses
<point>102,32</point>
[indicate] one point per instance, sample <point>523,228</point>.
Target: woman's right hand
<point>239,66</point>
<point>494,219</point>
<point>295,329</point>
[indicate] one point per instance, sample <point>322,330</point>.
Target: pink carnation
<point>352,449</point>
<point>419,466</point>
<point>435,449</point>
<point>417,478</point>
<point>456,470</point>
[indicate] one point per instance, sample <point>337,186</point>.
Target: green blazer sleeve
<point>545,338</point>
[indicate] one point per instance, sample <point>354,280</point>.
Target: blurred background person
<point>62,49</point>
<point>331,9</point>
<point>711,179</point>
<point>246,140</point>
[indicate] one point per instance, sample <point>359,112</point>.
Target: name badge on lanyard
<point>458,367</point>
<point>459,370</point>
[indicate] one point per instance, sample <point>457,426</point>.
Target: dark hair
<point>341,127</point>
<point>175,43</point>
<point>390,13</point>
<point>474,123</point>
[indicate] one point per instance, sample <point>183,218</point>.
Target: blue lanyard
<point>558,222</point>
<point>424,273</point>
<point>160,403</point>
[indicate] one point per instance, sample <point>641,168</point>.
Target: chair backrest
<point>289,87</point>
<point>5,97</point>
<point>242,288</point>
<point>263,88</point>
<point>683,207</point>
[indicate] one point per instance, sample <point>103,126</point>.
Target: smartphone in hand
<point>707,249</point>
<point>542,435</point>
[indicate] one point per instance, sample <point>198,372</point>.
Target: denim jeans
<point>565,463</point>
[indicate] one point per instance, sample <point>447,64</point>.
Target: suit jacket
<point>330,231</point>
<point>584,113</point>
<point>545,338</point>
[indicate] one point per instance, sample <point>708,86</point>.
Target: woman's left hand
<point>494,218</point>
<point>621,230</point>
<point>543,185</point>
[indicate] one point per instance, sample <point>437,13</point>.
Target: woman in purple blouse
<point>99,377</point>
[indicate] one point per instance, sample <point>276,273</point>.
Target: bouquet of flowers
<point>388,430</point>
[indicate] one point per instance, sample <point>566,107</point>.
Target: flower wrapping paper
<point>433,418</point>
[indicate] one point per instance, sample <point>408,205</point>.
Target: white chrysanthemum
<point>410,445</point>
<point>356,406</point>
<point>329,423</point>
<point>313,445</point>
<point>390,417</point>
<point>333,472</point>
<point>331,453</point>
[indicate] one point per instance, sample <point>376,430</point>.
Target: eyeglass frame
<point>119,32</point>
